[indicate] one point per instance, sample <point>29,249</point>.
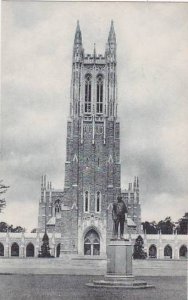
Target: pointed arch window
<point>111,109</point>
<point>88,93</point>
<point>99,94</point>
<point>15,249</point>
<point>98,202</point>
<point>57,207</point>
<point>30,250</point>
<point>1,249</point>
<point>92,243</point>
<point>86,201</point>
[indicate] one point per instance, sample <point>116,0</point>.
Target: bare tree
<point>3,189</point>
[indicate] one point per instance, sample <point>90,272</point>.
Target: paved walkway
<point>68,287</point>
<point>89,266</point>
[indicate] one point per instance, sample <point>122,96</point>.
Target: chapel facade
<point>82,211</point>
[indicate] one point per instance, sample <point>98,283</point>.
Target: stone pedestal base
<point>119,258</point>
<point>119,268</point>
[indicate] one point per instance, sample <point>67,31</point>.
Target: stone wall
<point>23,239</point>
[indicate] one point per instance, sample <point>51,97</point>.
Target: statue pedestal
<point>119,268</point>
<point>119,258</point>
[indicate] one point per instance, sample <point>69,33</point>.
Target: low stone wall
<point>59,266</point>
<point>25,242</point>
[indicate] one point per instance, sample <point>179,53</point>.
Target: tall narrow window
<point>98,202</point>
<point>57,206</point>
<point>87,162</point>
<point>86,201</point>
<point>110,108</point>
<point>98,162</point>
<point>99,94</point>
<point>88,93</point>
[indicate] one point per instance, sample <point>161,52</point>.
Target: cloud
<point>37,40</point>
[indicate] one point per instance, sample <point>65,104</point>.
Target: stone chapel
<point>81,210</point>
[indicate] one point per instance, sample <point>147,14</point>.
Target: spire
<point>134,182</point>
<point>44,181</point>
<point>137,183</point>
<point>77,48</point>
<point>112,35</point>
<point>94,51</point>
<point>111,44</point>
<point>78,35</point>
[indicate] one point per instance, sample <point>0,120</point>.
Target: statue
<point>118,216</point>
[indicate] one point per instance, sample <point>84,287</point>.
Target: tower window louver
<point>88,93</point>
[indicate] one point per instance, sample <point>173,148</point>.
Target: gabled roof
<point>130,222</point>
<point>51,221</point>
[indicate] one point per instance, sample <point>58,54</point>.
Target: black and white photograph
<point>93,150</point>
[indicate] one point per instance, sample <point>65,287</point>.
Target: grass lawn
<point>52,287</point>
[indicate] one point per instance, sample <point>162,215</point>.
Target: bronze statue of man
<point>118,216</point>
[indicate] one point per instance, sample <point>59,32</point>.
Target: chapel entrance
<point>92,243</point>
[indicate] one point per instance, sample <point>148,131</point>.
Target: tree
<point>18,229</point>
<point>139,249</point>
<point>3,189</point>
<point>166,226</point>
<point>34,230</point>
<point>150,227</point>
<point>4,227</point>
<point>183,225</point>
<point>45,248</point>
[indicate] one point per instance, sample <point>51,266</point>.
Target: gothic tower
<point>92,171</point>
<point>92,168</point>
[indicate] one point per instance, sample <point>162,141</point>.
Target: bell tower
<point>92,169</point>
<point>81,212</point>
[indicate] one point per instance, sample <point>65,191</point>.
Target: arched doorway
<point>30,250</point>
<point>168,251</point>
<point>58,250</point>
<point>152,251</point>
<point>183,252</point>
<point>15,249</point>
<point>92,243</point>
<point>1,249</point>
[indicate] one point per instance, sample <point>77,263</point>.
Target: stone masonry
<point>81,211</point>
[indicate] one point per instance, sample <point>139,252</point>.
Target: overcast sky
<point>152,55</point>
